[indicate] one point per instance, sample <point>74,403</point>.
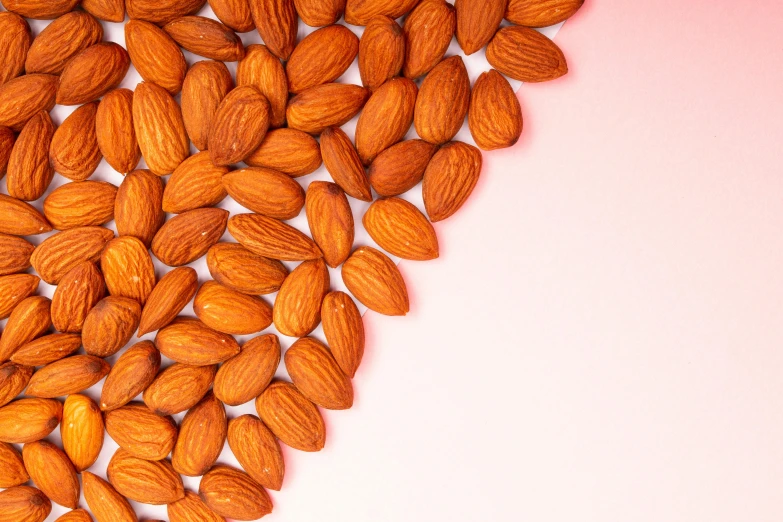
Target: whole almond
<point>234,14</point>
<point>297,309</point>
<point>23,97</point>
<point>115,131</point>
<point>127,268</point>
<point>291,417</point>
<point>110,325</point>
<point>263,70</point>
<point>14,473</point>
<point>21,219</point>
<point>477,22</point>
<point>138,208</point>
<point>48,348</point>
<point>276,22</point>
<point>344,330</point>
<point>386,118</point>
<point>381,51</point>
<point>155,55</point>
<point>234,494</point>
<point>526,55</point>
<point>265,191</point>
<point>495,117</point>
<point>66,376</point>
<point>15,254</point>
<point>24,503</point>
<point>290,151</point>
<point>79,204</point>
<point>319,13</point>
<point>360,12</point>
<point>148,482</point>
<point>196,183</point>
<point>202,435</point>
<point>30,318</point>
<point>191,509</point>
<point>239,125</point>
<point>28,420</point>
<point>187,236</point>
<point>61,40</point>
<point>160,131</point>
<point>15,39</point>
<point>74,151</point>
<point>13,379</point>
<point>428,32</point>
<point>343,163</point>
<point>141,432</point>
<point>229,311</point>
<point>243,377</point>
<point>450,178</point>
<point>328,105</point>
<point>162,11</point>
<point>178,388</point>
<point>7,139</point>
<point>206,84</point>
<point>330,220</point>
<point>29,171</point>
<point>321,57</point>
<point>257,450</point>
<point>269,237</point>
<point>170,295</point>
<point>104,502</point>
<point>541,13</point>
<point>401,229</point>
<point>59,253</point>
<point>77,292</point>
<point>82,433</point>
<point>14,288</point>
<point>400,167</point>
<point>40,9</point>
<point>443,101</point>
<point>133,372</point>
<point>92,73</point>
<point>52,471</point>
<point>376,282</point>
<point>317,375</point>
<point>206,37</point>
<point>238,268</point>
<point>189,341</point>
<point>77,515</point>
<point>109,10</point>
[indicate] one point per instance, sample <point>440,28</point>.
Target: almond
<point>20,218</point>
<point>381,51</point>
<point>276,22</point>
<point>40,9</point>
<point>206,37</point>
<point>77,515</point>
<point>162,11</point>
<point>13,379</point>
<point>344,330</point>
<point>92,73</point>
<point>386,118</point>
<point>401,229</point>
<point>51,471</point>
<point>110,325</point>
<point>127,268</point>
<point>376,282</point>
<point>191,509</point>
<point>291,417</point>
<point>157,120</point>
<point>178,388</point>
<point>290,151</point>
<point>24,503</point>
<point>234,494</point>
<point>61,40</point>
<point>25,96</point>
<point>155,55</point>
<point>495,117</point>
<point>14,288</point>
<point>74,151</point>
<point>229,311</point>
<point>331,221</point>
<point>15,40</point>
<point>234,14</point>
<point>265,191</point>
<point>317,375</point>
<point>59,253</point>
<point>187,236</point>
<point>14,254</point>
<point>48,348</point>
<point>104,502</point>
<point>243,377</point>
<point>14,473</point>
<point>66,376</point>
<point>263,70</point>
<point>190,341</point>
<point>321,57</point>
<point>360,12</point>
<point>202,435</point>
<point>29,319</point>
<point>206,84</point>
<point>28,420</point>
<point>109,10</point>
<point>526,55</point>
<point>328,105</point>
<point>269,237</point>
<point>82,434</point>
<point>477,22</point>
<point>7,139</point>
<point>239,125</point>
<point>297,309</point>
<point>428,31</point>
<point>141,432</point>
<point>343,163</point>
<point>144,481</point>
<point>138,208</point>
<point>257,450</point>
<point>77,292</point>
<point>79,204</point>
<point>238,268</point>
<point>443,101</point>
<point>541,13</point>
<point>133,372</point>
<point>170,295</point>
<point>450,178</point>
<point>196,183</point>
<point>29,171</point>
<point>400,167</point>
<point>115,131</point>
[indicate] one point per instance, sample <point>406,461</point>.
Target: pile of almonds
<point>284,96</point>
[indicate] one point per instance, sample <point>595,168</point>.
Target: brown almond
<point>133,372</point>
<point>234,494</point>
<point>381,51</point>
<point>477,22</point>
<point>162,11</point>
<point>400,167</point>
<point>495,117</point>
<point>77,515</point>
<point>108,10</point>
<point>148,482</point>
<point>30,318</point>
<point>92,73</point>
<point>59,253</point>
<point>15,40</point>
<point>14,288</point>
<point>115,131</point>
<point>202,434</point>
<point>14,473</point>
<point>239,125</point>
<point>206,84</point>
<point>317,375</point>
<point>330,219</point>
<point>243,377</point>
<point>236,267</point>
<point>344,330</point>
<point>401,229</point>
<point>155,55</point>
<point>23,97</point>
<point>21,219</point>
<point>343,163</point>
<point>290,151</point>
<point>29,171</point>
<point>450,178</point>
<point>187,236</point>
<point>15,254</point>
<point>66,376</point>
<point>82,433</point>
<point>197,182</point>
<point>265,191</point>
<point>80,204</point>
<point>28,420</point>
<point>127,268</point>
<point>48,348</point>
<point>77,292</point>
<point>257,450</point>
<point>39,9</point>
<point>328,105</point>
<point>263,70</point>
<point>7,140</point>
<point>428,32</point>
<point>443,101</point>
<point>360,12</point>
<point>52,471</point>
<point>272,238</point>
<point>376,282</point>
<point>386,118</point>
<point>297,309</point>
<point>178,388</point>
<point>61,40</point>
<point>321,57</point>
<point>229,311</point>
<point>319,13</point>
<point>110,325</point>
<point>206,37</point>
<point>189,341</point>
<point>74,151</point>
<point>13,379</point>
<point>170,295</point>
<point>138,208</point>
<point>104,502</point>
<point>234,14</point>
<point>160,131</point>
<point>541,13</point>
<point>291,417</point>
<point>141,432</point>
<point>526,55</point>
<point>191,509</point>
<point>276,22</point>
<point>24,503</point>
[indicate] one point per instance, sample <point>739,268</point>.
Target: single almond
<point>141,432</point>
<point>206,37</point>
<point>15,40</point>
<point>401,229</point>
<point>61,40</point>
<point>234,494</point>
<point>48,348</point>
<point>243,377</point>
<point>323,106</point>
<point>76,515</point>
<point>110,325</point>
<point>234,14</point>
<point>400,167</point>
<point>82,433</point>
<point>495,117</point>
<point>7,140</point>
<point>74,151</point>
<point>77,292</point>
<point>206,84</point>
<point>155,55</point>
<point>14,473</point>
<point>272,238</point>
<point>317,375</point>
<point>381,51</point>
<point>202,434</point>
<point>127,268</point>
<point>24,503</point>
<point>321,57</point>
<point>236,267</point>
<point>67,376</point>
<point>30,318</point>
<point>450,178</point>
<point>360,12</point>
<point>386,118</point>
<point>297,309</point>
<point>541,13</point>
<point>104,502</point>
<point>13,379</point>
<point>52,471</point>
<point>443,101</point>
<point>319,13</point>
<point>197,182</point>
<point>191,508</point>
<point>189,341</point>
<point>21,219</point>
<point>162,11</point>
<point>330,219</point>
<point>276,21</point>
<point>257,450</point>
<point>290,151</point>
<point>187,236</point>
<point>263,70</point>
<point>108,10</point>
<point>133,372</point>
<point>178,388</point>
<point>40,10</point>
<point>80,204</point>
<point>526,55</point>
<point>477,22</point>
<point>343,163</point>
<point>344,330</point>
<point>265,191</point>
<point>229,311</point>
<point>23,97</point>
<point>138,208</point>
<point>115,131</point>
<point>15,254</point>
<point>239,125</point>
<point>291,417</point>
<point>14,288</point>
<point>29,172</point>
<point>145,481</point>
<point>428,32</point>
<point>170,295</point>
<point>160,131</point>
<point>59,253</point>
<point>28,420</point>
<point>92,73</point>
<point>376,282</point>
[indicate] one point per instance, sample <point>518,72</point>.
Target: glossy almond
<point>234,14</point>
<point>317,375</point>
<point>110,325</point>
<point>15,254</point>
<point>92,73</point>
<point>127,268</point>
<point>7,139</point>
<point>202,434</point>
<point>205,86</point>
<point>66,376</point>
<point>40,9</point>
<point>30,318</point>
<point>477,22</point>
<point>141,432</point>
<point>328,105</point>
<point>28,420</point>
<point>78,291</point>
<point>450,178</point>
<point>239,125</point>
<point>48,348</point>
<point>171,294</point>
<point>360,12</point>
<point>344,330</point>
<point>178,388</point>
<point>206,37</point>
<point>52,472</point>
<point>29,172</point>
<point>197,182</point>
<point>104,502</point>
<point>443,101</point>
<point>13,379</point>
<point>14,473</point>
<point>234,494</point>
<point>257,450</point>
<point>20,218</point>
<point>115,131</point>
<point>138,208</point>
<point>61,40</point>
<point>401,229</point>
<point>155,55</point>
<point>386,118</point>
<point>541,13</point>
<point>160,131</point>
<point>243,377</point>
<point>109,10</point>
<point>238,268</point>
<point>82,433</point>
<point>23,97</point>
<point>80,204</point>
<point>59,253</point>
<point>276,21</point>
<point>428,32</point>
<point>15,39</point>
<point>77,515</point>
<point>297,309</point>
<point>265,191</point>
<point>376,282</point>
<point>145,481</point>
<point>14,288</point>
<point>330,219</point>
<point>187,236</point>
<point>133,372</point>
<point>343,163</point>
<point>74,151</point>
<point>229,311</point>
<point>189,341</point>
<point>381,51</point>
<point>272,238</point>
<point>291,417</point>
<point>263,70</point>
<point>321,57</point>
<point>495,117</point>
<point>162,11</point>
<point>400,167</point>
<point>191,508</point>
<point>24,503</point>
<point>526,55</point>
<point>290,151</point>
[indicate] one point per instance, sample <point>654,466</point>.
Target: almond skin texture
<point>495,117</point>
<point>109,10</point>
<point>443,101</point>
<point>477,22</point>
<point>229,311</point>
<point>234,494</point>
<point>23,97</point>
<point>291,417</point>
<point>115,132</point>
<point>328,105</point>
<point>62,40</point>
<point>133,372</point>
<point>206,37</point>
<point>80,204</point>
<point>400,167</point>
<point>51,471</point>
<point>92,73</point>
<point>77,515</point>
<point>144,481</point>
<point>343,163</point>
<point>526,55</point>
<point>104,502</point>
<point>376,282</point>
<point>239,125</point>
<point>541,13</point>
<point>74,151</point>
<point>187,236</point>
<point>263,70</point>
<point>15,39</point>
<point>381,51</point>
<point>276,22</point>
<point>202,435</point>
<point>206,84</point>
<point>317,375</point>
<point>192,509</point>
<point>24,504</point>
<point>386,118</point>
<point>360,12</point>
<point>344,330</point>
<point>138,208</point>
<point>78,291</point>
<point>178,388</point>
<point>321,57</point>
<point>401,229</point>
<point>30,318</point>
<point>269,237</point>
<point>160,131</point>
<point>428,31</point>
<point>66,376</point>
<point>171,294</point>
<point>257,450</point>
<point>28,420</point>
<point>319,13</point>
<point>141,432</point>
<point>162,11</point>
<point>127,268</point>
<point>189,341</point>
<point>29,171</point>
<point>48,348</point>
<point>154,54</point>
<point>21,219</point>
<point>297,309</point>
<point>59,253</point>
<point>14,288</point>
<point>13,379</point>
<point>450,178</point>
<point>40,9</point>
<point>14,473</point>
<point>331,221</point>
<point>243,377</point>
<point>265,191</point>
<point>196,183</point>
<point>14,254</point>
<point>7,139</point>
<point>234,14</point>
<point>238,268</point>
<point>110,325</point>
<point>82,433</point>
<point>289,151</point>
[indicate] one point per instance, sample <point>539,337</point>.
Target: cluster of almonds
<point>107,289</point>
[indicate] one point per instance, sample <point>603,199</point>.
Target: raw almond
<point>141,432</point>
<point>148,482</point>
<point>14,288</point>
<point>76,293</point>
<point>328,105</point>
<point>495,117</point>
<point>127,268</point>
<point>13,379</point>
<point>202,435</point>
<point>109,10</point>
<point>170,295</point>
<point>92,73</point>
<point>52,471</point>
<point>15,254</point>
<point>104,502</point>
<point>541,13</point>
<point>344,330</point>
<point>376,282</point>
<point>79,204</point>
<point>400,167</point>
<point>77,515</point>
<point>110,325</point>
<point>526,55</point>
<point>343,163</point>
<point>7,139</point>
<point>24,503</point>
<point>133,372</point>
<point>263,70</point>
<point>321,57</point>
<point>239,125</point>
<point>74,151</point>
<point>15,39</point>
<point>115,132</point>
<point>290,151</point>
<point>234,494</point>
<point>330,220</point>
<point>28,420</point>
<point>317,375</point>
<point>386,118</point>
<point>381,51</point>
<point>189,341</point>
<point>160,131</point>
<point>29,319</point>
<point>206,37</point>
<point>450,178</point>
<point>206,84</point>
<point>66,376</point>
<point>187,236</point>
<point>29,171</point>
<point>197,182</point>
<point>48,348</point>
<point>39,9</point>
<point>59,253</point>
<point>82,433</point>
<point>319,13</point>
<point>360,12</point>
<point>276,22</point>
<point>234,14</point>
<point>155,55</point>
<point>291,417</point>
<point>269,237</point>
<point>257,450</point>
<point>61,40</point>
<point>443,101</point>
<point>238,268</point>
<point>229,311</point>
<point>297,309</point>
<point>21,219</point>
<point>14,473</point>
<point>23,97</point>
<point>428,32</point>
<point>265,191</point>
<point>178,388</point>
<point>243,377</point>
<point>162,11</point>
<point>138,208</point>
<point>191,509</point>
<point>401,229</point>
<point>477,22</point>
